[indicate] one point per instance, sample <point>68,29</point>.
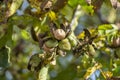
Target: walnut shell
<point>59,34</point>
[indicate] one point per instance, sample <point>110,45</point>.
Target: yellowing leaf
<point>93,31</point>
<point>14,6</point>
<point>106,74</point>
<point>52,15</point>
<point>81,35</point>
<point>91,70</point>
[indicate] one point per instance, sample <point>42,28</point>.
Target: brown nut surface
<point>59,34</point>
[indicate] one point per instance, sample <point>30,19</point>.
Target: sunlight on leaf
<point>81,35</point>
<point>73,3</point>
<point>105,27</point>
<point>14,6</point>
<point>89,9</point>
<point>25,34</point>
<point>52,15</point>
<point>91,70</point>
<point>106,74</point>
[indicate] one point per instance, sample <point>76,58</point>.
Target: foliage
<point>59,39</point>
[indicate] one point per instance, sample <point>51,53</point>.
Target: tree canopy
<point>59,39</point>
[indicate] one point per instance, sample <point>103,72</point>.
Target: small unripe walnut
<point>47,49</point>
<point>51,43</point>
<point>59,34</point>
<point>64,44</point>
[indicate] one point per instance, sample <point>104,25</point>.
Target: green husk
<point>42,74</point>
<point>64,45</point>
<point>51,43</point>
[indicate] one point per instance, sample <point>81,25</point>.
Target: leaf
<point>105,27</point>
<point>3,28</point>
<point>67,12</point>
<point>93,32</point>
<point>14,6</point>
<point>25,34</point>
<point>7,36</point>
<point>81,35</point>
<point>106,74</point>
<point>4,59</point>
<point>91,50</point>
<point>35,62</point>
<point>91,70</point>
<point>24,20</point>
<point>89,9</point>
<point>73,3</point>
<point>116,71</point>
<point>108,3</point>
<point>52,15</point>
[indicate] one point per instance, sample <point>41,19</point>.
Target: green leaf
<point>109,38</point>
<point>105,27</point>
<point>116,71</point>
<point>88,9</point>
<point>73,3</point>
<point>66,12</point>
<point>4,57</point>
<point>25,34</point>
<point>107,2</point>
<point>14,6</point>
<point>7,36</point>
<point>3,28</point>
<point>118,52</point>
<point>24,20</point>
